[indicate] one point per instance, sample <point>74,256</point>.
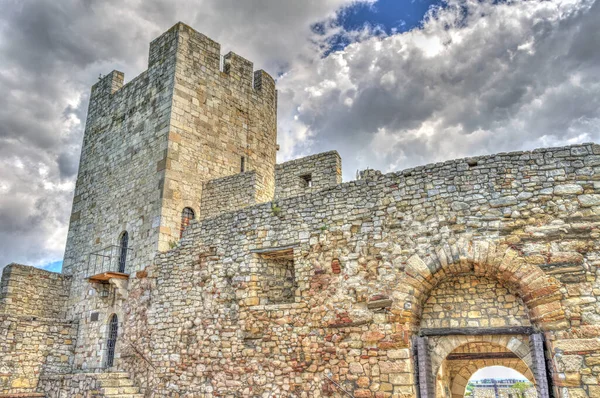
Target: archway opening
<point>499,381</point>
<point>471,359</point>
<point>477,292</point>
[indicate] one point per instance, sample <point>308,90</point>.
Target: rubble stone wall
<point>367,256</point>
<point>34,336</point>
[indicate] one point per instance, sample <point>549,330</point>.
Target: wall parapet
<point>27,290</point>
<point>30,347</point>
<point>308,174</point>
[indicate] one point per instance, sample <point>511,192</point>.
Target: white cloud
<point>476,78</point>
<point>52,52</point>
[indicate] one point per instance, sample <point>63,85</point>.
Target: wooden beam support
<point>527,330</point>
<point>472,356</point>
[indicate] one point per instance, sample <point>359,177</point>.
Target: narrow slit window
<point>123,247</point>
<point>187,215</point>
<point>113,331</point>
<point>242,164</point>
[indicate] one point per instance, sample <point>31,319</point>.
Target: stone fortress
<point>196,266</point>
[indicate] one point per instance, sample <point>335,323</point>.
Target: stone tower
<point>149,149</point>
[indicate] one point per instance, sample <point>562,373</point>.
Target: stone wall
<point>31,291</point>
<point>228,194</point>
<point>472,301</point>
<point>31,346</point>
<point>503,392</point>
<point>119,183</point>
<point>308,174</point>
<point>367,255</point>
<point>34,336</point>
<point>122,164</point>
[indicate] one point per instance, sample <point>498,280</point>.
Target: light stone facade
<point>290,283</point>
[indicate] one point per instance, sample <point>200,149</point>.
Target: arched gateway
<point>473,304</point>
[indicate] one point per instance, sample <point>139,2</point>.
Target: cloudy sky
<point>390,84</point>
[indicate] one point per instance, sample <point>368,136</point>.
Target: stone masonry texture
<point>290,283</point>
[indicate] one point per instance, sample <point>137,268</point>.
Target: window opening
<point>277,276</point>
<point>123,251</point>
<point>113,330</point>
<point>243,164</point>
<point>306,181</point>
<point>187,215</point>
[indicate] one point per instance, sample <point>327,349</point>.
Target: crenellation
<point>239,69</point>
<point>107,86</point>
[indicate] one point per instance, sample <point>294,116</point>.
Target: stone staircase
<point>115,385</point>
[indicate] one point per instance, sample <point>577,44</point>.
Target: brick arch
<point>540,292</point>
<point>443,346</point>
<point>459,383</point>
<point>447,344</point>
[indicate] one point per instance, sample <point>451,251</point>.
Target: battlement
<point>296,177</point>
<point>172,47</point>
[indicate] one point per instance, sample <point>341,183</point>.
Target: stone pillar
<point>539,369</point>
<point>425,386</point>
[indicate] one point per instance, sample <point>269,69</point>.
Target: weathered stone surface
<point>589,200</point>
<point>568,189</point>
<point>287,275</point>
<point>577,345</point>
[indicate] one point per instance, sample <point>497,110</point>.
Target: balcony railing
<point>111,259</point>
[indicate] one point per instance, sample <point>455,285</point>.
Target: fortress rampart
<point>197,266</point>
<point>371,262</point>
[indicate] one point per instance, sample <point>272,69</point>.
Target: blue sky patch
<point>55,266</point>
<point>387,16</point>
<point>399,15</point>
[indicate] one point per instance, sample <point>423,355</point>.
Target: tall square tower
<point>149,148</point>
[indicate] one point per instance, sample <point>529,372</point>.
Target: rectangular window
<point>306,181</point>
<point>94,317</point>
<point>276,276</point>
<point>242,164</point>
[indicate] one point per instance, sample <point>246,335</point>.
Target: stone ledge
<point>275,307</point>
<point>22,395</point>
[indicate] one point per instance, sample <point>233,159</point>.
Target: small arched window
<point>187,215</point>
<point>123,245</point>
